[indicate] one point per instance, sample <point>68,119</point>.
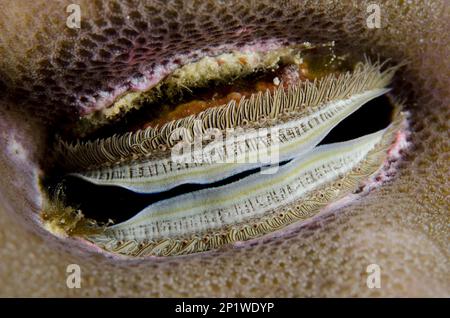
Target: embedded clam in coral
<point>191,183</point>
<point>50,75</point>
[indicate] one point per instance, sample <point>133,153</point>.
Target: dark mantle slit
<point>102,203</point>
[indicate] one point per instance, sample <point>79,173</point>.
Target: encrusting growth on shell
<point>63,220</point>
